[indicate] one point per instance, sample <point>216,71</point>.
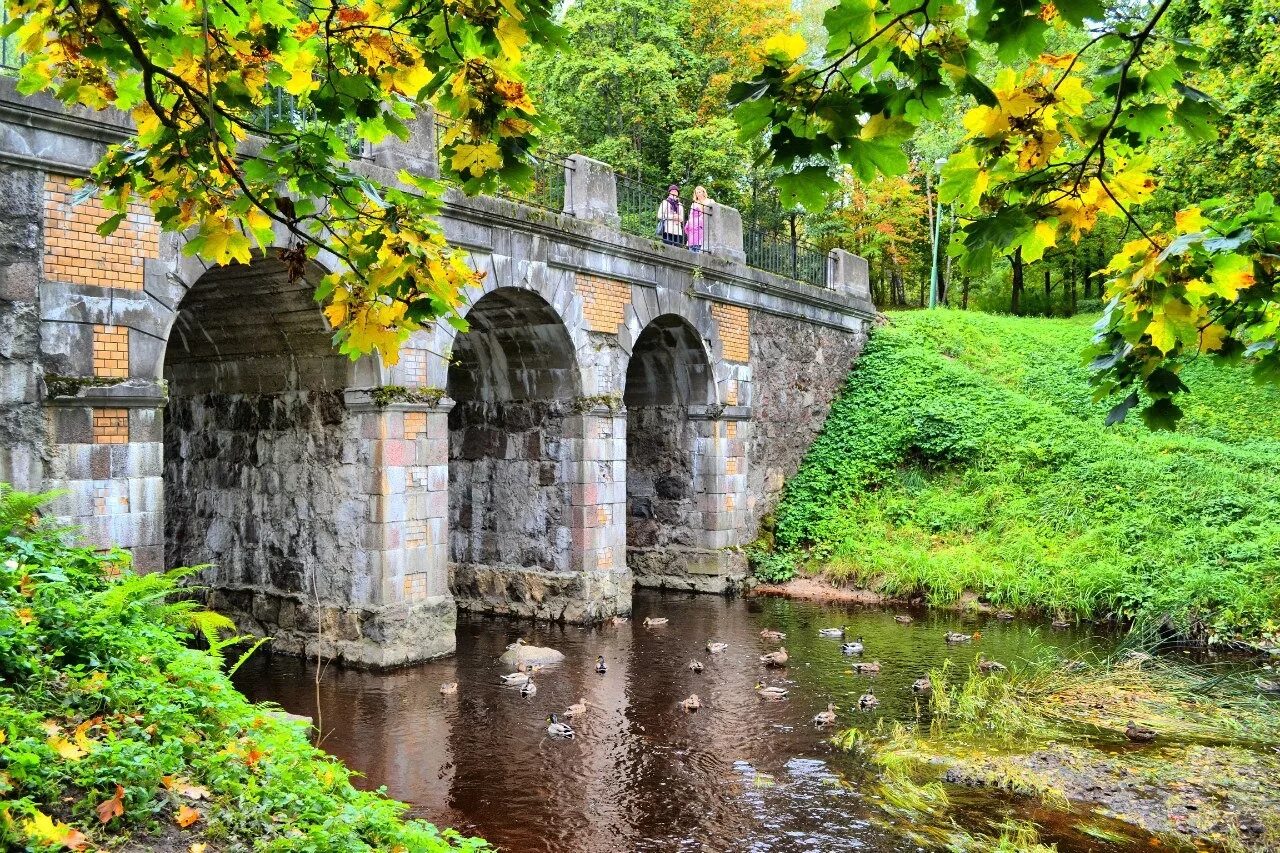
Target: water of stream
<point>742,774</point>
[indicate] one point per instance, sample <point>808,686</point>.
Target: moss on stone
<point>70,386</point>
<point>390,394</point>
<point>612,402</point>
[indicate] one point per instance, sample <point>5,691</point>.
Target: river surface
<point>741,774</point>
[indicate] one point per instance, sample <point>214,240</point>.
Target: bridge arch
<point>670,398</point>
<point>269,474</point>
<point>515,382</point>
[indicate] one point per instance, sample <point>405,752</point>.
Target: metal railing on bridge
<point>789,257</point>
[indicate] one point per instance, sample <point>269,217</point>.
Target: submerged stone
<point>531,654</point>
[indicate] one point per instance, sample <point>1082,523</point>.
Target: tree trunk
<point>1071,286</point>
<point>964,292</point>
<point>1048,292</point>
<point>1015,300</point>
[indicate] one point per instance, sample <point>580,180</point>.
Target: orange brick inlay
<point>734,324</point>
<point>415,367</point>
<point>415,424</point>
<point>75,253</point>
<point>731,393</point>
<point>110,426</point>
<point>603,301</point>
<point>415,586</point>
<point>110,351</point>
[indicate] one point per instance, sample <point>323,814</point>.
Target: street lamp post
<point>937,235</point>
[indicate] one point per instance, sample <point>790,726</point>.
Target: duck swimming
<point>716,648</point>
<point>827,717</point>
<point>449,688</point>
<point>903,619</point>
<point>601,666</point>
<point>772,636</point>
<point>515,678</point>
<point>867,701</point>
<point>765,691</point>
<point>693,703</point>
<point>577,709</point>
<point>831,632</point>
<point>654,621</point>
<point>695,666</point>
<point>776,659</point>
<point>867,668</point>
<point>921,685</point>
<point>852,648</point>
<point>956,637</point>
<point>557,729</point>
<point>528,689</point>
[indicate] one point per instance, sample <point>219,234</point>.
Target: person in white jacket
<point>671,218</point>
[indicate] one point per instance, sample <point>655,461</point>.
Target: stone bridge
<point>620,411</point>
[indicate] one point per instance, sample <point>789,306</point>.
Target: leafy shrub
<point>966,454</point>
<point>112,726</point>
<point>772,566</point>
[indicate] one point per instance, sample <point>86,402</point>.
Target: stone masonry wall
<point>21,421</point>
<point>508,497</point>
<point>266,487</point>
<point>662,506</point>
<point>797,370</point>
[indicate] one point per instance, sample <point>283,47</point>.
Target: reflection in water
<point>642,774</point>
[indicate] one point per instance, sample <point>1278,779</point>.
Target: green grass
<point>965,455</point>
<point>106,701</point>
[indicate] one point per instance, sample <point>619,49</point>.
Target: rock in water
<point>529,655</point>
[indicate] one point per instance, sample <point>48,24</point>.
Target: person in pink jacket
<point>696,228</point>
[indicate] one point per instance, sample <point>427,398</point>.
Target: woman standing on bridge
<point>671,218</point>
<point>696,227</point>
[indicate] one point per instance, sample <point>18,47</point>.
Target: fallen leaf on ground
<point>186,816</point>
<point>111,808</point>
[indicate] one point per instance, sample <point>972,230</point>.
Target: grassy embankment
<point>116,732</point>
<point>965,455</point>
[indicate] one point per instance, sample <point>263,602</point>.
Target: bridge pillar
<point>598,505</point>
<point>850,275</point>
<point>591,191</point>
<point>724,233</point>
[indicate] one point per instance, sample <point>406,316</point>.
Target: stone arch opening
<point>257,475</point>
<point>669,388</point>
<point>515,384</point>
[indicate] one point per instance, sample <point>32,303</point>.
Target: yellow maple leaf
<point>511,37</point>
<point>1071,95</point>
<point>298,64</point>
<point>1212,337</point>
<point>1231,274</point>
<point>987,122</point>
<point>65,748</point>
<point>45,829</point>
<point>223,241</point>
<point>1190,220</point>
<point>787,45</point>
<point>1037,150</point>
<point>477,159</point>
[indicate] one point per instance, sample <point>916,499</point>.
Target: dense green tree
<point>1050,149</point>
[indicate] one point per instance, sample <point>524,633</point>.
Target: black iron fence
<point>549,188</point>
<point>786,256</point>
<point>638,205</point>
